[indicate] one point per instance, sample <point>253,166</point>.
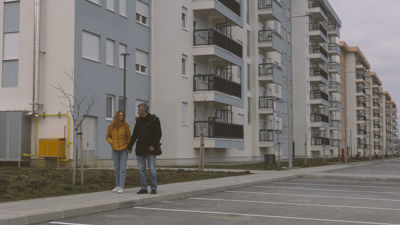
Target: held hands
<point>151,148</point>
<point>129,150</point>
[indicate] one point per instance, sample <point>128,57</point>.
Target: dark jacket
<point>146,133</point>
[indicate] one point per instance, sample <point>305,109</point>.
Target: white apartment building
<point>316,81</point>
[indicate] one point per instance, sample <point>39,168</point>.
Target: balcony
<point>219,10</point>
<point>318,117</point>
<point>335,142</point>
<point>334,67</point>
<point>214,129</point>
<point>317,9</point>
<point>335,86</point>
<point>333,49</point>
<point>320,141</point>
<point>317,52</point>
<point>208,37</point>
<point>269,40</point>
<point>318,74</point>
<point>211,82</point>
<point>266,135</point>
<point>270,72</point>
<point>361,90</point>
<point>318,32</point>
<point>233,5</point>
<point>318,94</point>
<point>333,30</point>
<point>269,9</point>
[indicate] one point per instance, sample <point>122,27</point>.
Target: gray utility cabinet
<point>15,135</point>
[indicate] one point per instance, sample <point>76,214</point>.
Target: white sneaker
<point>115,189</point>
<point>120,190</point>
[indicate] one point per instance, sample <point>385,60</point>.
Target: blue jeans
<point>151,159</point>
<point>119,159</point>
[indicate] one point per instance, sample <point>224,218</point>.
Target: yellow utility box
<point>52,147</point>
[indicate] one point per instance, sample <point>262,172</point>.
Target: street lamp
<point>124,87</point>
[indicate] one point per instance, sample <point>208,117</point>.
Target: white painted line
<point>314,196</point>
<point>347,181</point>
<point>65,223</point>
<point>264,216</point>
<point>295,204</point>
<point>331,190</point>
<point>334,185</point>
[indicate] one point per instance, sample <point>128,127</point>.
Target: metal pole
<point>81,154</point>
<point>124,87</point>
<point>201,166</point>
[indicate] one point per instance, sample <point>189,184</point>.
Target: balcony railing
<point>265,35</point>
<point>214,129</point>
<point>361,104</point>
<point>211,82</point>
<point>335,142</point>
<point>316,4</point>
<point>317,71</point>
<point>213,37</point>
<point>267,69</point>
<point>318,49</point>
<point>265,103</point>
<point>266,135</point>
<point>317,26</point>
<point>318,117</point>
<point>361,90</point>
<point>264,4</point>
<point>320,141</point>
<point>318,94</point>
<point>232,5</point>
<point>333,66</point>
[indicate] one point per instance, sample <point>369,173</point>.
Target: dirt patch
<point>27,183</point>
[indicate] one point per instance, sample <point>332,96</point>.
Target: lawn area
<point>27,183</point>
<point>297,163</point>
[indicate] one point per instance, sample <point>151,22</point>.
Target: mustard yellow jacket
<point>118,138</point>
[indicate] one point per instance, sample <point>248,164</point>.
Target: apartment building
<point>376,115</point>
<point>355,68</point>
<point>82,40</point>
<point>317,95</point>
<point>390,125</point>
<point>272,92</point>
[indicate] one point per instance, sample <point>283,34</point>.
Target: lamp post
<point>124,87</point>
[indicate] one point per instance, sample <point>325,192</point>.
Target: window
<point>142,13</point>
<point>110,107</point>
<point>10,51</point>
<point>248,109</point>
<point>184,113</point>
<point>122,8</point>
<point>121,103</point>
<point>248,77</point>
<point>248,12</point>
<point>90,46</point>
<point>121,49</point>
<point>184,17</point>
<point>184,60</point>
<point>240,119</point>
<point>110,52</point>
<point>141,62</point>
<point>97,2</point>
<point>110,5</point>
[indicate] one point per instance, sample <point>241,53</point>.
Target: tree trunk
<point>75,162</point>
<point>81,153</point>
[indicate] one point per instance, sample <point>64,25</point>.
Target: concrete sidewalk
<point>55,208</point>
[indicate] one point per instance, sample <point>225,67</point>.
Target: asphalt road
<point>301,201</point>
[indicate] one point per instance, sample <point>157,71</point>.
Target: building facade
<point>79,49</point>
<point>316,80</point>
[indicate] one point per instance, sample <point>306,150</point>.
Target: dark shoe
<point>153,192</point>
<point>142,192</point>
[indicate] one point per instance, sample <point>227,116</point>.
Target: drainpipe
<point>35,105</point>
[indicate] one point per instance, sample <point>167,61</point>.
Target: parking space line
<point>294,204</point>
<point>331,190</point>
<point>345,181</point>
<point>264,216</point>
<point>333,185</point>
<point>313,196</point>
<point>65,223</point>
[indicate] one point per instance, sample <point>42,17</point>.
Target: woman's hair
<point>116,124</point>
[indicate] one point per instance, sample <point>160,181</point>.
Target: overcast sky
<point>374,26</point>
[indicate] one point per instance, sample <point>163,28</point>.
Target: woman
<point>118,136</point>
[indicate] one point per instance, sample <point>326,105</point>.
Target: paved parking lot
<point>295,201</point>
<point>391,167</point>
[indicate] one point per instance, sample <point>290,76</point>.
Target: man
<point>147,135</point>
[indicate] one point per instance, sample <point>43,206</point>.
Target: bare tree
<point>76,104</point>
